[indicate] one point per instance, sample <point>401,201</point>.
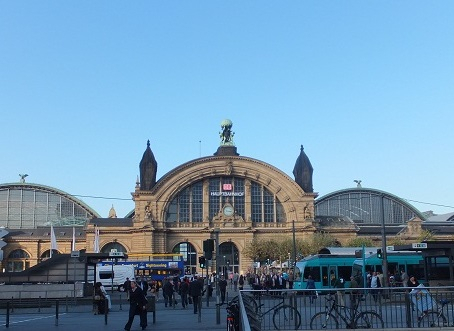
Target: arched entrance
<point>18,260</point>
<point>107,248</point>
<point>229,262</point>
<point>46,254</point>
<point>189,257</point>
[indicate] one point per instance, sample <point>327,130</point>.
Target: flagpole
<point>96,242</point>
<point>73,246</point>
<point>53,240</point>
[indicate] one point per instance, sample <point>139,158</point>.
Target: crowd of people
<point>189,289</point>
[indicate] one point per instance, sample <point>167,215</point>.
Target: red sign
<point>227,187</point>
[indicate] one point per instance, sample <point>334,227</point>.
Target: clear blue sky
<point>366,86</point>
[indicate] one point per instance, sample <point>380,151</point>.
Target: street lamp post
<point>218,293</point>
<point>383,243</point>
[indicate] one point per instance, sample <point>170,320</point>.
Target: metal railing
<point>424,307</point>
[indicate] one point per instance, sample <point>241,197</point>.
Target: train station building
<point>235,197</point>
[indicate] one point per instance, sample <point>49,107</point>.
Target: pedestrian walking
<point>184,290</point>
<point>195,291</point>
<point>222,288</point>
<point>137,306</point>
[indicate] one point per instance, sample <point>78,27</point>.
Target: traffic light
<point>208,248</point>
<point>202,262</point>
<point>379,253</point>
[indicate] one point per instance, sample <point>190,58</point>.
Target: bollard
<point>7,315</point>
<point>106,310</point>
<point>153,306</point>
<point>408,309</point>
<point>39,304</point>
<point>12,304</point>
<point>199,307</point>
<point>120,303</point>
<point>56,312</point>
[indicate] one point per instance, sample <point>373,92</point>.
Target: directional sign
<point>114,253</point>
<point>419,245</point>
<point>75,253</point>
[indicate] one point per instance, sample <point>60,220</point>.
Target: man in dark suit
<point>222,288</point>
<point>137,305</point>
<point>195,291</point>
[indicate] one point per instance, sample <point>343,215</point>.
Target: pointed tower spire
<point>112,212</point>
<point>148,169</point>
<point>303,172</point>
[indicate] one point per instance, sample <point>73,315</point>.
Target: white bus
<point>115,276</point>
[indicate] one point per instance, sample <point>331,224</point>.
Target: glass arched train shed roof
<point>25,206</point>
<point>364,205</point>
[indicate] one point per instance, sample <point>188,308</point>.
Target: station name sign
<point>419,245</point>
<point>227,194</point>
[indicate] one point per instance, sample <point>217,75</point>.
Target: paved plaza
<point>82,318</point>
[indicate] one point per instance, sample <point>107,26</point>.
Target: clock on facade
<point>228,210</point>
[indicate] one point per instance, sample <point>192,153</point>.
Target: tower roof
<point>303,172</point>
<point>148,169</point>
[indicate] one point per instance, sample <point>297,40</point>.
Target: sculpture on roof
<point>227,134</point>
<point>22,177</point>
<point>303,172</point>
<point>358,183</point>
<point>148,169</point>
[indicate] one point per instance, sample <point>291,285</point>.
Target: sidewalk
<point>166,319</point>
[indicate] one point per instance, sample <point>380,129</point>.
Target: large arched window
<point>18,260</point>
<point>224,190</point>
<point>189,206</point>
<point>189,256</point>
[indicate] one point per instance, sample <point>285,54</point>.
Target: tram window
<point>314,272</point>
<point>344,272</point>
<point>392,268</point>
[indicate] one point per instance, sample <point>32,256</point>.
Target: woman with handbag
<point>99,301</point>
<point>137,306</point>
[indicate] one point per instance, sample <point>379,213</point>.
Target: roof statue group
<point>226,134</point>
<point>148,166</point>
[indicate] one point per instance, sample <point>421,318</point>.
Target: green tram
<point>344,263</point>
<point>411,262</point>
<point>321,267</point>
<point>330,260</point>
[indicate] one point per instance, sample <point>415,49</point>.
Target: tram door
<point>332,274</point>
<point>327,274</point>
